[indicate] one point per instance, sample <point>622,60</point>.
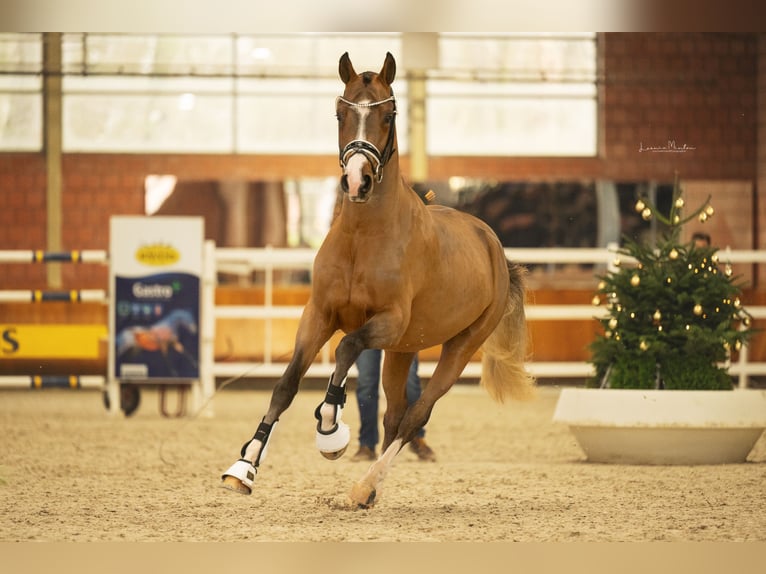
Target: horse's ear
<point>345,69</point>
<point>388,71</point>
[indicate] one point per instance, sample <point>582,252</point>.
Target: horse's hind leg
<point>399,432</point>
<point>312,334</point>
<point>396,367</point>
<point>454,357</point>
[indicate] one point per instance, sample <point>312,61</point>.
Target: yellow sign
<point>157,255</point>
<point>51,341</point>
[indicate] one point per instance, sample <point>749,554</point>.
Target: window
<point>514,95</point>
<point>491,94</point>
<point>147,93</point>
<point>217,94</point>
<point>21,102</point>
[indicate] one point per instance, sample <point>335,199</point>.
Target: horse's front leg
<point>313,332</point>
<point>333,435</point>
<point>381,330</point>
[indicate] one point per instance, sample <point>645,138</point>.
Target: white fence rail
<point>238,261</point>
<point>243,262</point>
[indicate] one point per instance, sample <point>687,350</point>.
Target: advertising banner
<point>35,341</point>
<point>156,269</point>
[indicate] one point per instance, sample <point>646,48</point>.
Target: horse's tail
<point>502,365</point>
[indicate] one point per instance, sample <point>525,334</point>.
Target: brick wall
<point>695,89</point>
<point>22,215</point>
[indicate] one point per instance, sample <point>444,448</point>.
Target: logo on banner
<point>157,255</point>
<point>152,291</point>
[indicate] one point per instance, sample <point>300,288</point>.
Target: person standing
<point>368,398</point>
<point>700,239</point>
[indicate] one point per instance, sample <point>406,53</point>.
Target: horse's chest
<point>350,308</point>
<point>354,298</point>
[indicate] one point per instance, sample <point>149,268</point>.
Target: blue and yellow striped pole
<point>43,296</point>
<point>72,295</point>
<point>40,256</point>
<point>74,382</point>
<point>55,381</point>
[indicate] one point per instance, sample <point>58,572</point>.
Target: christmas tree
<point>673,315</point>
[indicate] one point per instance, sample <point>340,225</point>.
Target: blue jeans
<point>368,394</point>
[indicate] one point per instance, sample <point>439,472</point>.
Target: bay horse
<point>399,275</point>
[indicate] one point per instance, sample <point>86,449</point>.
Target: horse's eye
<point>389,118</point>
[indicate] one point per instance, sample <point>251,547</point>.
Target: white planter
<point>628,426</point>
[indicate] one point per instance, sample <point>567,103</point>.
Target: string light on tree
<point>646,214</point>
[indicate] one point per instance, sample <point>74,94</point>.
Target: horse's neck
<point>386,211</point>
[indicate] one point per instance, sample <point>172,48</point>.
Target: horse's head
<point>180,318</point>
<point>366,131</point>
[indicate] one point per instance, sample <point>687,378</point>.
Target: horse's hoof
<point>240,476</point>
<point>332,444</point>
<point>362,495</point>
<point>334,455</point>
<point>233,483</point>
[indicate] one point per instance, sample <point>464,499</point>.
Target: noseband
<point>377,159</point>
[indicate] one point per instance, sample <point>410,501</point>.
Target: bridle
<point>377,159</point>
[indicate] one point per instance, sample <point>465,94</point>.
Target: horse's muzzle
<point>357,180</point>
<point>363,191</point>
